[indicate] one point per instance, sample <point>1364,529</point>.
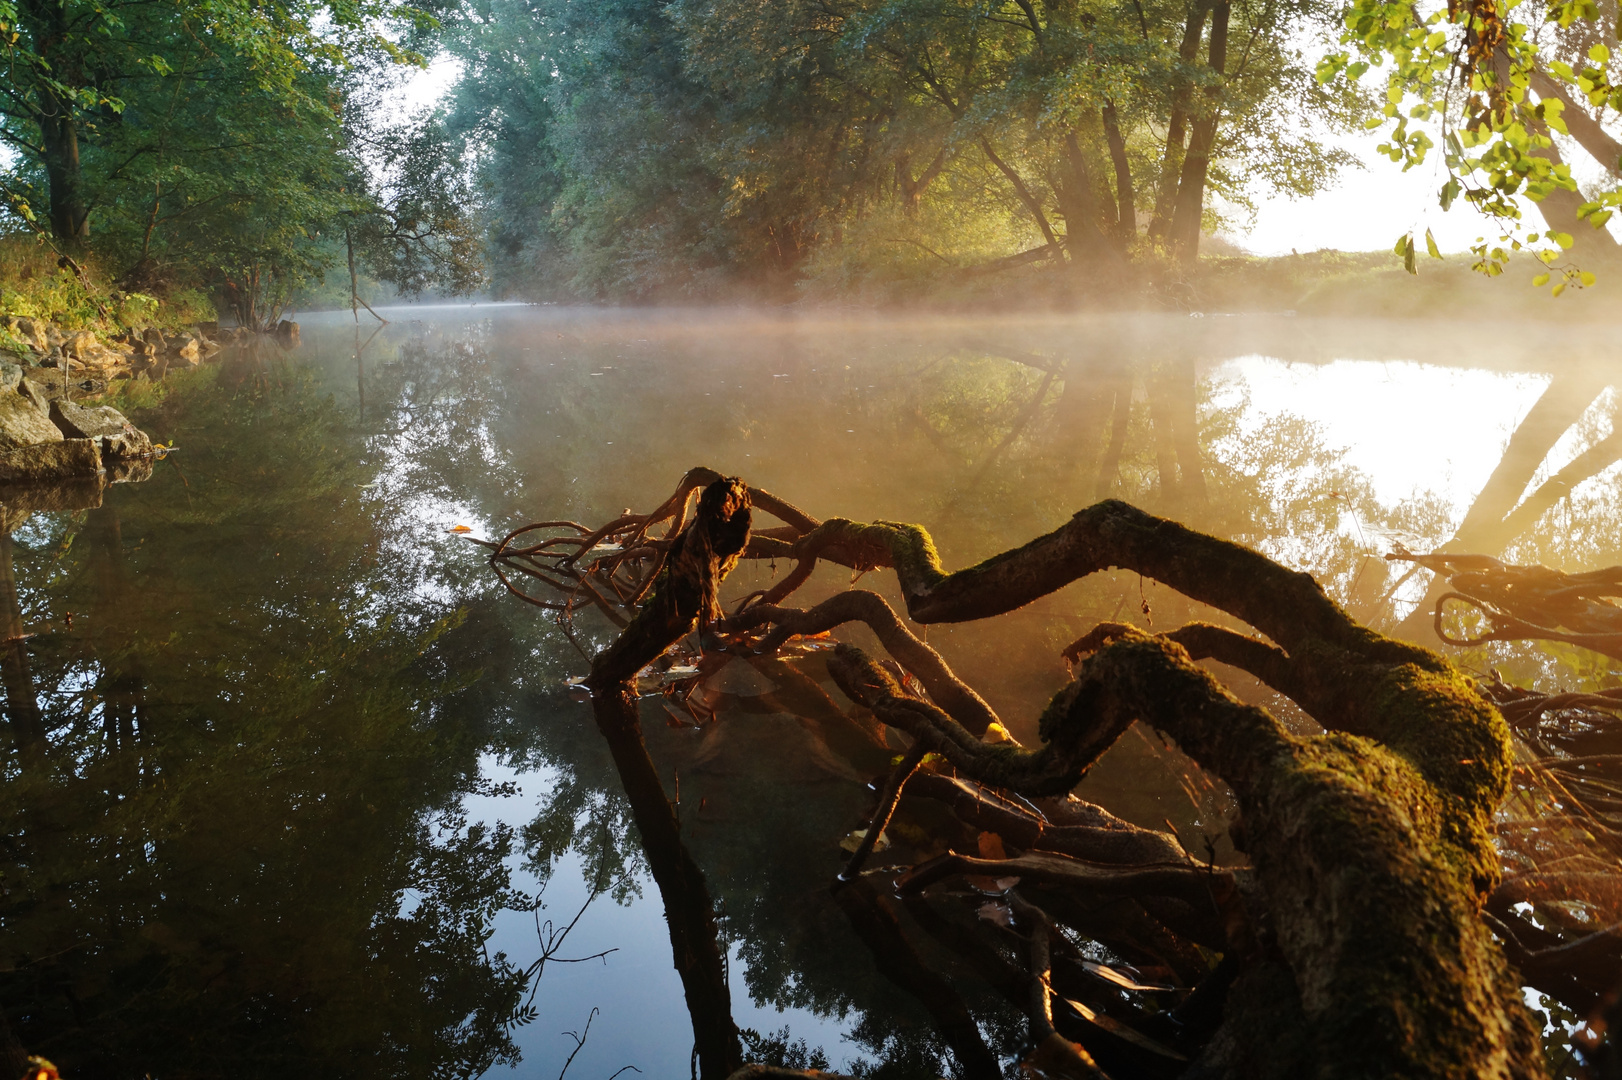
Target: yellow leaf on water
<point>462,529</point>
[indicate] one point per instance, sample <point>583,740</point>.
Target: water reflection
<point>252,826</point>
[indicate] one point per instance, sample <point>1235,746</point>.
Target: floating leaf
<point>854,840</point>
<point>994,911</point>
<point>461,529</point>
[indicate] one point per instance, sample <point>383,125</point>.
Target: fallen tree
<point>1352,945</point>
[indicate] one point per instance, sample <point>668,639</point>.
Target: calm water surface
<point>298,786</point>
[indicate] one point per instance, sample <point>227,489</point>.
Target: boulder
<point>79,344</point>
<point>154,338</point>
<point>117,437</point>
<point>41,389</point>
<point>21,424</point>
<point>11,376</point>
<point>287,333</point>
<point>189,351</point>
<point>30,330</point>
<point>50,461</point>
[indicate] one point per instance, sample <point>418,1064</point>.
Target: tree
<point>694,146</point>
<point>1504,86</point>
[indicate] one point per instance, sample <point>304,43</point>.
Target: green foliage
<point>1498,81</point>
<point>687,149</point>
<point>33,285</point>
<point>219,141</point>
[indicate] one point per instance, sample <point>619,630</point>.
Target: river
<point>294,784</point>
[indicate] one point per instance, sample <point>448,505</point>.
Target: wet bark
<point>1354,944</point>
<point>1372,844</point>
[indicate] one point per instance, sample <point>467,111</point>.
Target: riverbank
<point>67,345</point>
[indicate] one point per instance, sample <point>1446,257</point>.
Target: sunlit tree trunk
<point>1171,162</point>
<point>1023,192</point>
<point>1126,199</point>
<point>1078,201</point>
<point>1185,226</point>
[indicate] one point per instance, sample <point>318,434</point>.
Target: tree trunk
<point>22,703</point>
<point>1078,201</point>
<point>70,218</point>
<point>1185,226</point>
<point>685,598</point>
<point>1483,529</point>
<point>1126,199</point>
<point>1171,161</point>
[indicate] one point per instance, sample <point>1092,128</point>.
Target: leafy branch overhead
<point>1511,87</point>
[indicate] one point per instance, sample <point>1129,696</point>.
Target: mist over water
<point>1322,443</point>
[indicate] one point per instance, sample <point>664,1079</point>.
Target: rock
<point>40,391</point>
<point>74,493</point>
<point>53,336</point>
<point>287,333</point>
<point>128,470</point>
<point>208,329</point>
<point>50,461</point>
<point>10,376</point>
<point>79,344</point>
<point>154,338</point>
<point>117,437</point>
<point>189,350</point>
<point>21,424</point>
<point>29,330</point>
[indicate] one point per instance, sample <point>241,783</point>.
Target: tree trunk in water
<point>22,704</point>
<point>1482,531</point>
<point>1171,162</point>
<point>685,598</point>
<point>1185,226</point>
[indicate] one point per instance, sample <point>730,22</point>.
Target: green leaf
<point>1563,239</point>
<point>1587,278</point>
<point>1558,289</point>
<point>1598,220</point>
<point>1450,191</point>
<point>1401,245</point>
<point>1430,245</point>
<point>1540,280</point>
<point>1599,53</point>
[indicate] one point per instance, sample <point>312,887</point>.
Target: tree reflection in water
<point>258,739</point>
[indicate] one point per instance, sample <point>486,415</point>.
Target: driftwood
<point>1527,602</point>
<point>1354,943</point>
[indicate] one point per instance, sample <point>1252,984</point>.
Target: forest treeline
<point>695,149</point>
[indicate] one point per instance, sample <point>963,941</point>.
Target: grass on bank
<point>32,284</point>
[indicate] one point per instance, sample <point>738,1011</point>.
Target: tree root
<point>1357,932</point>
